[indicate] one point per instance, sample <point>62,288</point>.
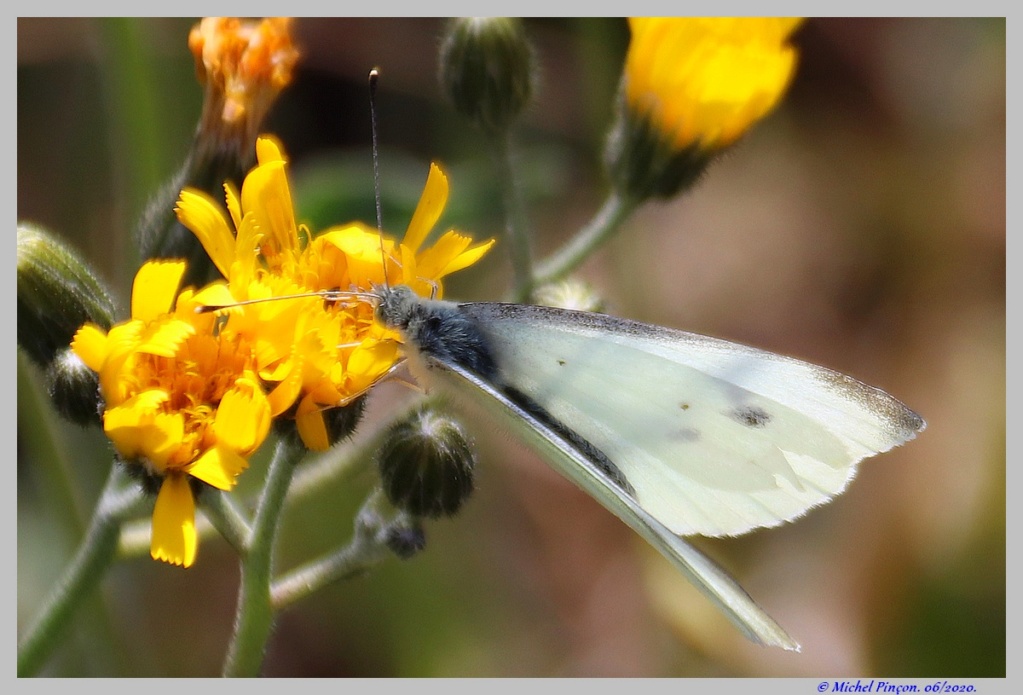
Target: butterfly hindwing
<point>476,395</point>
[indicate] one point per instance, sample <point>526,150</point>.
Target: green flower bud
<point>486,67</point>
<point>57,293</point>
<point>427,465</point>
<point>74,389</point>
<point>643,164</point>
<point>341,422</point>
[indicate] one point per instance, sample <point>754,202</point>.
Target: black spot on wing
<point>583,445</point>
<point>750,416</point>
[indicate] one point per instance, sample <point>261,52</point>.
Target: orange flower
<point>243,64</point>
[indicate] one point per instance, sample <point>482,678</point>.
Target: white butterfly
<point>675,433</point>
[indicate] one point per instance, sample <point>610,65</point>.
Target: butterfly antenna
<point>374,77</point>
<point>327,295</point>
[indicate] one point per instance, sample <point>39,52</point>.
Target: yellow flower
<point>704,81</point>
<point>243,64</point>
<point>181,398</point>
<point>691,87</point>
<point>314,353</point>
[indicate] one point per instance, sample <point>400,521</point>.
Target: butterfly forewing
<point>713,438</point>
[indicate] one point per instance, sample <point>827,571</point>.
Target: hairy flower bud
<point>427,465</point>
<point>486,67</point>
<point>74,389</point>
<point>57,293</point>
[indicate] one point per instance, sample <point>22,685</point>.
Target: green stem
<point>601,228</point>
<point>95,554</point>
<point>225,516</point>
<point>367,549</point>
<point>254,618</point>
<point>516,222</point>
<point>364,551</point>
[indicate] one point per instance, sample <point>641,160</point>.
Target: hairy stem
<point>254,617</point>
<point>94,556</point>
<point>601,228</point>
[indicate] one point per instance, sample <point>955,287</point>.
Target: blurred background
<point>861,226</point>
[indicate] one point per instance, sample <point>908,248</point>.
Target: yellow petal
<point>243,417</point>
<point>156,285</point>
<point>115,379</point>
<point>311,427</point>
<point>410,273</point>
<point>428,211</point>
<point>123,339</point>
<point>369,362</point>
<point>133,414</point>
<point>267,197</point>
<point>164,438</point>
<point>197,211</point>
<point>138,428</point>
<point>448,255</point>
<point>90,344</point>
<point>363,252</point>
<point>219,466</point>
<point>268,149</point>
<point>468,257</point>
<point>214,294</point>
<point>247,260</point>
<point>285,393</point>
<point>174,539</point>
<point>163,338</point>
<point>234,203</point>
<point>324,392</point>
